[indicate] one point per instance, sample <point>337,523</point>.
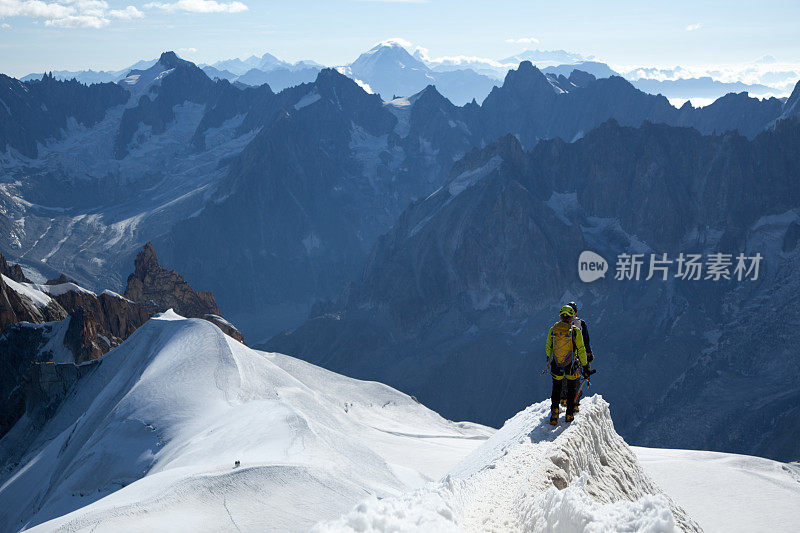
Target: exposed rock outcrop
<point>114,317</point>
<point>17,307</point>
<point>46,386</point>
<point>12,271</point>
<point>157,288</point>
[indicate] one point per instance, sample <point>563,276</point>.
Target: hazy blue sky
<point>73,34</point>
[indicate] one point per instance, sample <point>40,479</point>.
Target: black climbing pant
<point>571,386</point>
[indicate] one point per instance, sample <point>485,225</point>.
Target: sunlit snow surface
<point>149,440</point>
<point>531,476</point>
<point>727,492</point>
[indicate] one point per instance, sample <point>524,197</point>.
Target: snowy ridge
<point>26,290</point>
<point>150,437</point>
<point>59,288</point>
<point>530,476</point>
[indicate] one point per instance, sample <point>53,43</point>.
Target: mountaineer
<point>565,351</point>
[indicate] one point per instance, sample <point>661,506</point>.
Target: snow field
<point>531,476</point>
<point>149,439</point>
<point>728,492</point>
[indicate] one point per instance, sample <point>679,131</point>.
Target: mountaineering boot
<point>569,418</point>
<point>563,402</point>
<point>554,416</point>
<point>577,408</point>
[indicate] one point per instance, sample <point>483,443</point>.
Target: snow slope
<point>149,438</point>
<point>530,476</point>
<point>727,492</point>
<point>29,291</point>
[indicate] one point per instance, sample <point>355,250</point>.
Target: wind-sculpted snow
<point>531,476</point>
<point>149,437</point>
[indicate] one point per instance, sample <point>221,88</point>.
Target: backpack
<point>563,344</point>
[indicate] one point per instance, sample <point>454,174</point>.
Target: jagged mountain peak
<point>139,82</point>
<point>170,60</point>
<point>526,77</point>
<point>342,90</point>
<point>167,61</point>
<point>430,95</point>
<point>158,288</point>
<point>12,271</point>
<point>581,78</point>
<point>331,76</point>
<point>145,261</point>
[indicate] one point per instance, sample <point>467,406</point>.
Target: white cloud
<point>34,8</point>
<point>524,40</point>
<point>693,27</point>
<point>68,13</point>
<point>776,74</point>
<point>5,25</point>
<point>78,21</point>
<point>422,53</point>
<point>199,6</point>
<point>395,40</point>
<point>466,61</point>
<point>128,13</point>
<point>364,85</point>
<point>91,8</point>
<point>190,50</point>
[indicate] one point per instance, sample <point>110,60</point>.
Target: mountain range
<point>458,226</point>
<point>459,291</point>
<point>391,68</point>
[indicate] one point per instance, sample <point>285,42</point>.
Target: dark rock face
<point>733,112</point>
<point>298,211</point>
<point>46,386</point>
<point>59,280</point>
<point>35,111</point>
<point>19,345</point>
<point>12,271</point>
<point>456,299</point>
<point>16,308</point>
<point>226,327</point>
<point>529,106</point>
<point>82,336</point>
<point>158,289</point>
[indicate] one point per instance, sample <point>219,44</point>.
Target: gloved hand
<point>589,356</point>
<point>586,372</point>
